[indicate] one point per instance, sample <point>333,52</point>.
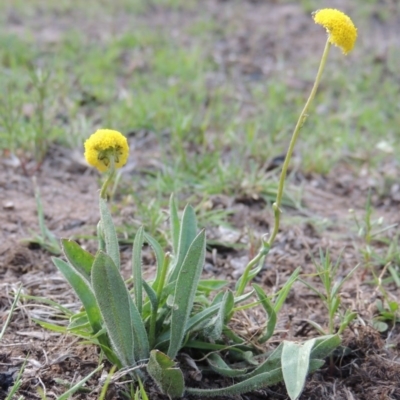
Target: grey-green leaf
<point>80,259</point>
<point>218,365</point>
<point>140,338</point>
<point>114,302</point>
<point>137,268</point>
<point>166,374</point>
<point>159,253</point>
<point>84,292</point>
<point>214,328</point>
<point>185,290</point>
<point>188,231</point>
<point>295,362</point>
<point>174,223</point>
<point>256,382</point>
<point>324,345</point>
<point>269,308</point>
<point>271,363</point>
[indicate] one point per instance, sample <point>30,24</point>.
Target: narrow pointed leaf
<point>151,294</point>
<point>80,259</point>
<point>140,338</point>
<point>174,224</point>
<point>159,253</point>
<point>214,328</point>
<point>193,322</point>
<point>271,363</point>
<point>247,278</point>
<point>256,382</point>
<point>219,366</point>
<point>114,302</point>
<point>137,268</point>
<point>84,292</point>
<point>269,308</point>
<point>209,285</point>
<point>67,395</point>
<point>285,290</point>
<point>188,232</point>
<point>185,290</point>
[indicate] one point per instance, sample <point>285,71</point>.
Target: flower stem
<point>109,178</point>
<point>267,244</point>
<point>278,202</point>
<point>252,263</point>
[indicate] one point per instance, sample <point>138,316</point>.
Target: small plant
<point>371,232</point>
<point>142,325</point>
<point>10,313</point>
<point>28,134</point>
<point>330,296</point>
<point>45,239</point>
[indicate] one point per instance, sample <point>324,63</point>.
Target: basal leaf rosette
<point>340,28</point>
<point>106,147</point>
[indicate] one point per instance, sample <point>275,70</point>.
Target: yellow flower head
<point>339,26</point>
<point>104,146</point>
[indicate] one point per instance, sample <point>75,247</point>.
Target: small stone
<point>8,205</point>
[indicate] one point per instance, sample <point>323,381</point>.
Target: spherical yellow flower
<point>339,26</point>
<point>104,146</point>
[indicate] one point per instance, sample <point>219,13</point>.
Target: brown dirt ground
<point>370,371</point>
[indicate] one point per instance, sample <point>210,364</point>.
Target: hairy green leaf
<point>137,268</point>
<point>185,290</point>
<point>174,224</point>
<point>269,308</point>
<point>84,292</point>
<point>114,302</point>
<point>159,253</point>
<point>188,232</point>
<point>213,330</point>
<point>166,374</point>
<point>80,259</point>
<point>324,345</point>
<point>295,361</point>
<point>140,338</point>
<point>218,365</point>
<point>256,382</point>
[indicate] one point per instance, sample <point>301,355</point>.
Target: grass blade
<point>70,392</point>
<point>12,308</point>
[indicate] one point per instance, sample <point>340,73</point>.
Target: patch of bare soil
<point>370,366</point>
<point>369,369</point>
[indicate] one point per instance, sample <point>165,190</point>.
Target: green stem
<point>278,202</point>
<point>244,279</point>
<point>109,178</point>
<point>267,244</point>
